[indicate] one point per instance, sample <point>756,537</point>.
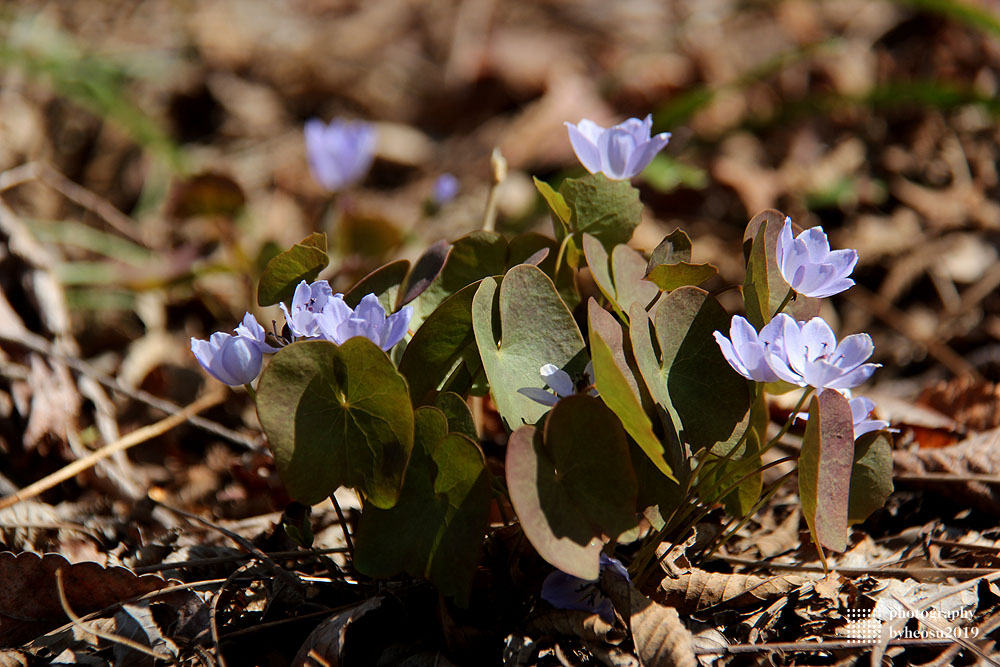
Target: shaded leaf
<point>29,597</point>
<point>871,475</point>
<point>336,416</point>
<point>425,271</point>
<point>384,282</point>
<point>456,410</point>
<point>303,261</point>
<point>535,328</point>
<point>707,399</point>
<point>443,343</point>
<point>329,640</point>
<point>673,249</point>
<point>825,469</point>
<point>617,385</point>
<point>436,529</point>
<point>471,258</point>
<point>572,485</point>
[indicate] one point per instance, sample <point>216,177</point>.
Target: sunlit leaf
<point>609,210</point>
<point>521,324</point>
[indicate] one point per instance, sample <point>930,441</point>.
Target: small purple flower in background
<point>564,591</point>
<point>807,354</point>
<point>560,382</point>
<point>339,322</point>
<point>861,408</point>
<point>445,189</point>
<point>232,360</point>
<point>809,266</point>
<point>341,153</point>
<point>746,350</point>
<point>619,152</point>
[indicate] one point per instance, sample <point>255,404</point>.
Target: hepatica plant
<point>629,430</point>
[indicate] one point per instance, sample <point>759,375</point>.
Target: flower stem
<point>788,297</point>
<point>343,525</point>
<point>250,390</point>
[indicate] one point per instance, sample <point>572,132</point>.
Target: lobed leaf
<point>336,416</point>
<point>384,282</point>
<point>609,210</point>
<point>520,325</point>
<point>572,484</point>
<point>303,261</point>
<point>436,529</point>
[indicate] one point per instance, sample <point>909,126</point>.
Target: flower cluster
<point>341,153</point>
<point>316,313</point>
<point>806,354</point>
<point>558,381</point>
<point>618,152</point>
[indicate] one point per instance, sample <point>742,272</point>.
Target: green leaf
<point>442,343</point>
<point>669,277</point>
<point>673,249</point>
<point>460,419</point>
<point>436,529</point>
<point>521,324</point>
<point>336,416</point>
<point>617,386</point>
<point>609,210</point>
<point>473,257</point>
<point>573,486</point>
<point>621,282</point>
<point>383,282</point>
<point>871,475</point>
<point>281,276</point>
<point>561,212</point>
<point>825,469</point>
<point>707,399</point>
<point>427,268</point>
<point>767,289</point>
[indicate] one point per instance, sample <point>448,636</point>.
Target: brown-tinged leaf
<point>698,589</point>
<point>29,599</point>
<point>973,402</point>
<point>55,402</point>
<point>660,639</point>
<point>783,537</point>
<point>327,644</point>
<point>575,623</point>
<point>208,193</point>
<point>14,659</point>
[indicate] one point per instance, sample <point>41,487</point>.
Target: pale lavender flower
<point>341,153</point>
<point>308,302</point>
<point>339,322</point>
<point>619,152</point>
<point>251,329</point>
<point>558,381</point>
<point>807,354</point>
<point>809,266</point>
<point>861,409</point>
<point>445,189</point>
<point>564,591</point>
<point>746,350</point>
<point>232,360</point>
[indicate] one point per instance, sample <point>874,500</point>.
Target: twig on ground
<point>132,439</point>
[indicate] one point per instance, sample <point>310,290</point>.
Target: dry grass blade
<point>134,438</point>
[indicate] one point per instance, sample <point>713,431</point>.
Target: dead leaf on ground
<point>699,589</point>
<point>326,645</point>
<point>29,599</point>
<point>573,623</point>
